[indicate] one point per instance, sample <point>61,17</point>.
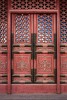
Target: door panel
<point>21,48</point>
<point>45,61</point>
<point>3,51</point>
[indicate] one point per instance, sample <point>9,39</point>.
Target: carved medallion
<point>21,65</point>
<point>64,65</point>
<point>3,65</point>
<point>45,65</point>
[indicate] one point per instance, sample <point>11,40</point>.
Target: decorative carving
<point>41,49</point>
<point>22,48</point>
<point>19,79</point>
<point>45,78</point>
<point>45,65</point>
<point>3,21</point>
<point>3,79</point>
<point>64,78</point>
<point>3,65</point>
<point>33,4</point>
<point>22,24</point>
<point>44,28</point>
<point>3,49</point>
<point>64,49</point>
<point>63,20</point>
<point>64,65</point>
<point>21,65</point>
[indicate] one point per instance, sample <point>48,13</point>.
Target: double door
<point>33,49</point>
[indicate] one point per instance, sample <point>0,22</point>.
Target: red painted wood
<point>9,49</point>
<point>3,88</point>
<point>63,48</point>
<point>3,47</point>
<point>21,56</point>
<point>63,88</point>
<point>22,64</point>
<point>42,60</point>
<point>31,31</point>
<point>35,32</point>
<point>33,11</point>
<point>58,49</point>
<point>33,88</point>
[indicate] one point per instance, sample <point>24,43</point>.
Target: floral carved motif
<point>45,65</point>
<point>21,65</point>
<point>64,65</point>
<point>3,65</point>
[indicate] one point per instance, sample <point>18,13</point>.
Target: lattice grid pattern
<point>45,28</point>
<point>33,4</point>
<point>3,21</point>
<point>22,28</point>
<point>63,20</point>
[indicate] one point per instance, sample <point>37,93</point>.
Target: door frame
<point>9,48</point>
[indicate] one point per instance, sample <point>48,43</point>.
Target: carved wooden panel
<point>64,68</point>
<point>45,79</point>
<point>3,68</point>
<point>3,64</point>
<point>21,68</point>
<point>22,63</point>
<point>45,64</point>
<point>64,63</point>
<point>24,49</point>
<point>21,79</point>
<point>45,67</point>
<point>33,4</point>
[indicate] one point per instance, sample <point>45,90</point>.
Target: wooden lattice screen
<point>33,4</point>
<point>63,20</point>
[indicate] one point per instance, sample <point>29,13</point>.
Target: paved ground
<point>34,97</point>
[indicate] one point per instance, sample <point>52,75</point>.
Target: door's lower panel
<point>34,88</point>
<point>21,69</point>
<point>45,72</point>
<point>63,88</point>
<point>3,88</point>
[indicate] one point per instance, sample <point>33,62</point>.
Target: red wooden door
<point>45,48</point>
<point>33,50</point>
<point>22,65</point>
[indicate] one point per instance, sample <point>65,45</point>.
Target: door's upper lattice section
<point>63,20</point>
<point>33,4</point>
<point>3,21</point>
<point>22,32</point>
<point>45,28</point>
